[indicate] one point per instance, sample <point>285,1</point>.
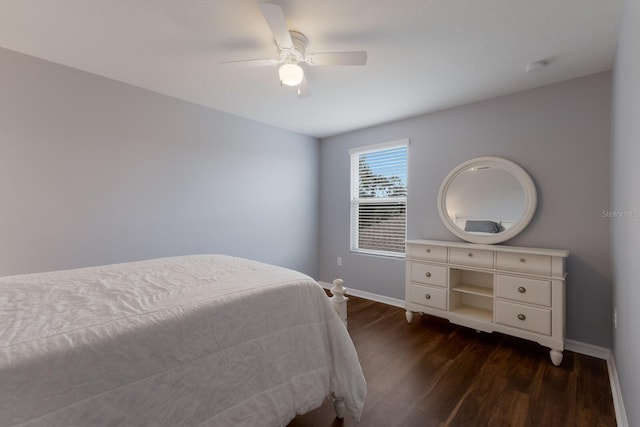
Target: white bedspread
<point>204,340</point>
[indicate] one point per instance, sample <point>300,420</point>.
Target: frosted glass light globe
<point>291,74</point>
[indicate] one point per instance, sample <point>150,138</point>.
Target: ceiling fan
<point>292,49</point>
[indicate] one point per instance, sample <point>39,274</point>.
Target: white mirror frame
<point>520,174</point>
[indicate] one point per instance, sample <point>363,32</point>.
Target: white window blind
<point>379,198</point>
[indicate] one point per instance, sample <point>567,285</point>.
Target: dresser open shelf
<point>514,290</point>
<point>465,288</point>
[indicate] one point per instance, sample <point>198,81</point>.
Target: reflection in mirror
<point>485,193</point>
<point>487,200</point>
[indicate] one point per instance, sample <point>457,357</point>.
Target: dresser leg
<point>556,357</point>
<point>409,315</point>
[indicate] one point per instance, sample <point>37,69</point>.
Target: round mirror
<point>487,200</point>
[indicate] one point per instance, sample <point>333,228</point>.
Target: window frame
<point>356,201</point>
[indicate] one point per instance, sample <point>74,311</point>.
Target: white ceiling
<point>424,55</point>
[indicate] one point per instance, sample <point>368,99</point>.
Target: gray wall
<point>93,171</point>
<point>626,201</point>
<point>560,134</point>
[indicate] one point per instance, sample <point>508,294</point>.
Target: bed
<point>206,340</point>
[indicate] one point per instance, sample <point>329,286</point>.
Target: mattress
<point>202,340</point>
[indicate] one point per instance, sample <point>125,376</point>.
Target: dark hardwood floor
<point>433,373</point>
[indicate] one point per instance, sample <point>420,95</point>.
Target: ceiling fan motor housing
<point>299,41</point>
<point>296,53</point>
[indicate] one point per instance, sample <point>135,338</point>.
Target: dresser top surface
<point>498,248</point>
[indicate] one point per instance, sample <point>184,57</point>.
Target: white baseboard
<point>571,345</point>
<point>587,349</point>
<point>368,295</point>
<point>616,392</point>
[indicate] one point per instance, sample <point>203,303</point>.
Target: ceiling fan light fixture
<point>291,74</point>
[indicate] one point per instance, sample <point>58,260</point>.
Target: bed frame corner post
<point>338,300</point>
<point>340,408</point>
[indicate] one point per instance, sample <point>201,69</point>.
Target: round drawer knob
<point>521,316</point>
<point>522,289</point>
<point>522,260</point>
<point>428,250</point>
<point>427,296</point>
<point>427,274</point>
<point>470,255</point>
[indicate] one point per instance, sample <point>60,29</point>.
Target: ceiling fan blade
<point>249,63</point>
<point>274,15</point>
<point>337,58</point>
<point>303,88</point>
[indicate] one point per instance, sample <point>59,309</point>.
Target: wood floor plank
<point>431,373</point>
<point>419,419</point>
<point>511,409</point>
<point>478,403</point>
<point>410,390</point>
<point>593,386</point>
<point>456,381</point>
<point>554,401</point>
<point>523,364</point>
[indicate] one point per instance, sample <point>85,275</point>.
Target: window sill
<point>381,254</point>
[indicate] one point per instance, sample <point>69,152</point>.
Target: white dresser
<point>513,290</point>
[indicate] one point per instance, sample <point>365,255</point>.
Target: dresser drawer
<point>471,257</point>
<point>525,263</point>
<point>521,289</point>
<point>519,316</point>
<point>429,274</point>
<point>429,296</point>
<point>428,253</point>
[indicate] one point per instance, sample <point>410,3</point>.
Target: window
<point>379,198</point>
